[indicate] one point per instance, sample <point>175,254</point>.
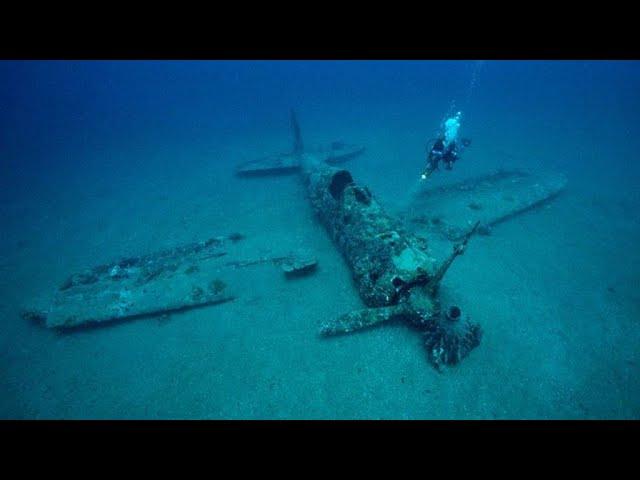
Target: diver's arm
<point>430,168</point>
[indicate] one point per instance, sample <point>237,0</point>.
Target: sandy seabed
<point>555,291</point>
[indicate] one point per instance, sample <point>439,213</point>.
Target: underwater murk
<point>320,239</point>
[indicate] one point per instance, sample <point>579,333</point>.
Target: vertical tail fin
<point>298,147</point>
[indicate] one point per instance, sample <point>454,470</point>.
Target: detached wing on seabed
<point>156,284</point>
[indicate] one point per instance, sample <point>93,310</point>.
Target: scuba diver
<point>445,148</point>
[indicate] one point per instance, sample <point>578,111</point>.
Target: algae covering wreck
<point>389,256</point>
<point>396,277</point>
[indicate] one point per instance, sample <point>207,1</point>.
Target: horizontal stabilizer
<point>285,163</point>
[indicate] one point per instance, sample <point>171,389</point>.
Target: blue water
<point>104,159</point>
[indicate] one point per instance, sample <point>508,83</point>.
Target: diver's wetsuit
<point>439,153</point>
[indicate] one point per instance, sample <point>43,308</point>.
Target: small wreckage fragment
<point>156,284</point>
<point>299,265</point>
<point>293,265</point>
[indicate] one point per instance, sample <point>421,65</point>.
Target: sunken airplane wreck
<point>389,257</point>
<point>395,276</point>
